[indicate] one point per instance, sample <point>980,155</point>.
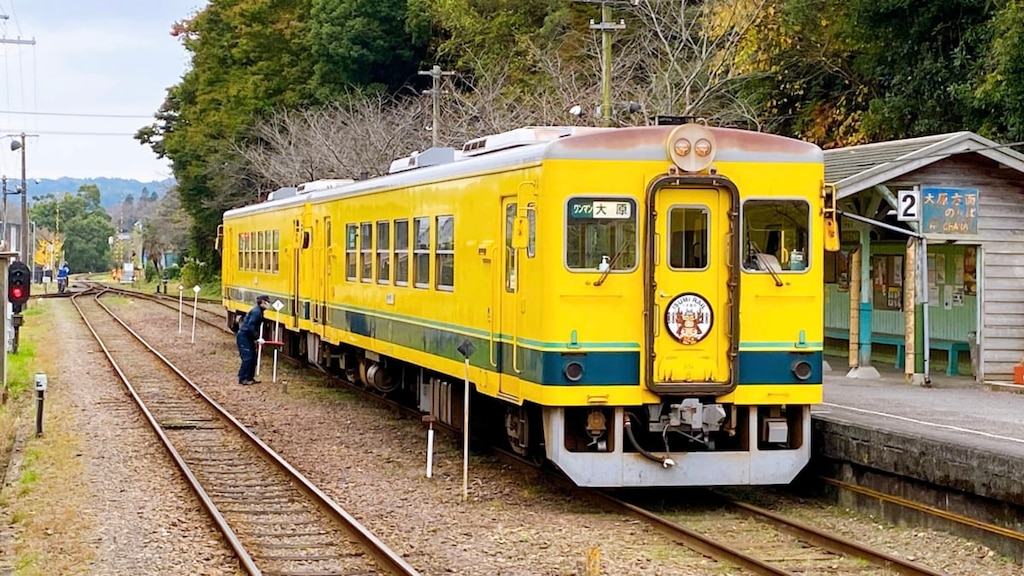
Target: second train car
<point>641,306</point>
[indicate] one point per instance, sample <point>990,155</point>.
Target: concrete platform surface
<point>955,410</point>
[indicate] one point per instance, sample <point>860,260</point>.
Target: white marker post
<point>466,349</point>
<point>430,445</point>
<point>180,288</point>
<point>277,308</point>
<point>195,304</point>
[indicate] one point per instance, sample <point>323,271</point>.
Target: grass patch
<point>43,505</point>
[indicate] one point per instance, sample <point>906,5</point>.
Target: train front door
<point>692,330</point>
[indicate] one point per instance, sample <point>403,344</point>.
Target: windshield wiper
<point>767,265</point>
<point>611,265</point>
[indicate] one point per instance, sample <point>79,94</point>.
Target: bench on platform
<point>952,347</point>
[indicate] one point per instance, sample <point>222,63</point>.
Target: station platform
<point>957,445</point>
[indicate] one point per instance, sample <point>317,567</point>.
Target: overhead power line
<point>65,133</point>
<point>76,114</point>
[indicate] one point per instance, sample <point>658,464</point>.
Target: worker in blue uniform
<point>249,334</point>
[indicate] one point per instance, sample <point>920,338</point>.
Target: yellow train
<point>639,306</point>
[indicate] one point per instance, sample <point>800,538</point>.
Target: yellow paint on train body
<point>614,272</point>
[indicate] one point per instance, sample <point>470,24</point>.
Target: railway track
<point>796,548</point>
<point>274,519</point>
<point>765,542</point>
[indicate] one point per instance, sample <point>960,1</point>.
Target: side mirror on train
<point>520,235</point>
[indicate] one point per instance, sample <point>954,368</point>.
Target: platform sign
<point>278,305</point>
<point>908,205</point>
<point>949,210</point>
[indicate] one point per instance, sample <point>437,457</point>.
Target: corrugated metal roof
<point>842,163</point>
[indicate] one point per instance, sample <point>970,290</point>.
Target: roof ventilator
<point>514,138</point>
<point>429,157</point>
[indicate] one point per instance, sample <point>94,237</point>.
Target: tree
<point>362,43</point>
<point>82,223</point>
<point>248,58</point>
<point>166,230</point>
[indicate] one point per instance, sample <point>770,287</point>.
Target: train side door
<point>506,355</point>
<point>328,268</point>
<point>297,237</point>
<point>693,320</point>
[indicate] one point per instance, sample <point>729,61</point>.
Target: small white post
<point>180,289</point>
<point>430,450</point>
<point>259,354</point>
<point>277,305</point>
<point>195,304</point>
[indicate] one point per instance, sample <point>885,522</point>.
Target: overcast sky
<point>91,57</point>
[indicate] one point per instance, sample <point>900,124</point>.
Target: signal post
<point>19,288</point>
<point>5,261</point>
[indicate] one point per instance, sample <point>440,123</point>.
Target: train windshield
<point>775,235</point>
<point>601,234</point>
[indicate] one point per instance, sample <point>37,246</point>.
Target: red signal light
<point>16,292</point>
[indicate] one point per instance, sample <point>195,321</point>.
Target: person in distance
<point>250,332</point>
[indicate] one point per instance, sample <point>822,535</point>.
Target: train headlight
<point>802,369</point>
<point>692,147</point>
<point>573,371</point>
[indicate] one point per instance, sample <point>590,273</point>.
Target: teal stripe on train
<point>607,364</point>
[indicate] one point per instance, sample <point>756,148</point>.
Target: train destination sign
<point>600,208</point>
<point>949,210</point>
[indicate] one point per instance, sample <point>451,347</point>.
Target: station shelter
<point>932,243</point>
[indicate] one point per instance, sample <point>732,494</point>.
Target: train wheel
<point>525,432</point>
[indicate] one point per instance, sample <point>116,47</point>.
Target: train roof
<point>531,145</point>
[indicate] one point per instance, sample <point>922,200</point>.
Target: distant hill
<point>112,190</point>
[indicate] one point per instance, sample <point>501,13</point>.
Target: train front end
<point>691,288</point>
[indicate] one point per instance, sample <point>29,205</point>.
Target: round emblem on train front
<point>689,318</point>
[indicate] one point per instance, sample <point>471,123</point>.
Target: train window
<point>366,252</point>
<point>276,255</point>
<point>688,238</point>
<point>510,255</point>
<point>444,272</point>
<point>383,252</point>
<point>775,235</point>
<point>350,252</point>
<point>531,242</point>
<point>401,252</point>
<point>261,250</point>
<point>601,232</point>
<point>421,253</point>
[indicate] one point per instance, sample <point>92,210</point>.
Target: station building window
<point>384,252</point>
<point>444,253</point>
<point>421,253</point>
<point>350,252</point>
<point>401,252</point>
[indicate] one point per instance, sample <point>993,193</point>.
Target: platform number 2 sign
<point>908,205</point>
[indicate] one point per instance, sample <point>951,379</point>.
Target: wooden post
<point>854,307</point>
<point>909,302</point>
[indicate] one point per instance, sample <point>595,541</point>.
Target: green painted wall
<point>953,324</point>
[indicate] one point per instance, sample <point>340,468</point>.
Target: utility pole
<point>24,206</point>
<point>4,239</point>
<point>436,73</point>
<point>606,26</point>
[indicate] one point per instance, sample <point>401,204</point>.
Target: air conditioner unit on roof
<point>307,187</point>
<point>513,138</point>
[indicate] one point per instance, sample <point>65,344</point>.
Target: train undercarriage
<point>679,442</point>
